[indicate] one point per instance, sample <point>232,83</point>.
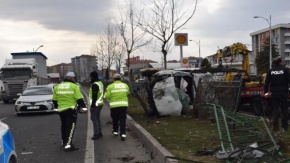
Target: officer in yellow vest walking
<point>117,95</point>
<point>66,97</point>
<point>96,101</point>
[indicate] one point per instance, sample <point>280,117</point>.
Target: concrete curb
<point>157,152</point>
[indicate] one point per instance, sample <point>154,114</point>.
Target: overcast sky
<point>68,28</point>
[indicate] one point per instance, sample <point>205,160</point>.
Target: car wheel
<point>13,159</point>
<point>257,107</point>
<point>5,101</point>
<point>18,114</point>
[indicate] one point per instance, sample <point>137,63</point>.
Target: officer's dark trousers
<point>68,124</point>
<point>119,116</point>
<point>280,109</point>
<point>95,117</point>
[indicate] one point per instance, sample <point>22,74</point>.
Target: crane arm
<point>239,48</point>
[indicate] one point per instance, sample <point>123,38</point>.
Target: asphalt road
<point>37,140</point>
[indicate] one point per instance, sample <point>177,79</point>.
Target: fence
<point>223,93</point>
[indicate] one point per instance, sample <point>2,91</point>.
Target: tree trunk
<point>164,60</point>
<point>128,68</point>
<point>164,52</point>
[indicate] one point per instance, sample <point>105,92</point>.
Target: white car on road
<point>35,99</point>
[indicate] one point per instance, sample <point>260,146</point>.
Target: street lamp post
<point>38,48</point>
<point>198,43</point>
<point>270,37</point>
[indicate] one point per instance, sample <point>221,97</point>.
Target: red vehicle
<point>252,92</point>
<point>254,96</point>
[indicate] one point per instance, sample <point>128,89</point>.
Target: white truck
<point>18,74</point>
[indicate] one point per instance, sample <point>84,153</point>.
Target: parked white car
<point>35,99</point>
<point>140,81</point>
<point>7,145</point>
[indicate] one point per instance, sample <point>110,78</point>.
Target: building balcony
<point>287,50</point>
<point>287,42</point>
<point>287,58</point>
<point>287,34</point>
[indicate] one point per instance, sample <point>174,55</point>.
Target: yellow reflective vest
<point>117,94</point>
<point>66,94</point>
<point>100,97</point>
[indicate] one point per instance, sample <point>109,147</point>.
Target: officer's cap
<point>70,74</point>
<point>117,76</point>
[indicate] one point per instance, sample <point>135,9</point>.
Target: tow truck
<point>252,92</point>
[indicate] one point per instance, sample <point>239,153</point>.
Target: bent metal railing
<point>245,139</point>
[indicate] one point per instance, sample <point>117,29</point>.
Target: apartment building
<point>61,68</point>
<point>83,65</point>
<point>280,34</point>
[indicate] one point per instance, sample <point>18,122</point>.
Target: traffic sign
<point>184,62</point>
<point>181,39</point>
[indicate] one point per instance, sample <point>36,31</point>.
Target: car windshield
<point>16,74</point>
<point>31,91</point>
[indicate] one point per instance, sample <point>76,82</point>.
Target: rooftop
<point>28,53</point>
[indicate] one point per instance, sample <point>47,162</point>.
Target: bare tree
<point>119,57</point>
<point>106,47</point>
<point>132,36</point>
<point>111,43</point>
<point>98,50</point>
<point>164,19</point>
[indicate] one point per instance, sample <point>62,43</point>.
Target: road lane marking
<point>2,119</point>
<point>90,146</point>
<point>26,153</point>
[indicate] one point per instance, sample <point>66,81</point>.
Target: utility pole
<point>270,37</point>
<point>199,59</point>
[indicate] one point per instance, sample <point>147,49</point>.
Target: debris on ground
<point>126,158</point>
<point>205,152</point>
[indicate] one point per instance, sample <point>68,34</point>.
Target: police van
<point>7,145</point>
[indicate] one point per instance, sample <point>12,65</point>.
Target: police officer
<point>117,95</point>
<point>278,81</point>
<point>66,97</point>
<point>96,101</point>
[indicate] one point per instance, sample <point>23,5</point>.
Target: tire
<point>267,108</point>
<point>257,107</point>
<point>6,101</point>
<point>18,114</point>
<point>13,159</point>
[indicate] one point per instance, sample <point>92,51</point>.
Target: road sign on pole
<point>181,39</point>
